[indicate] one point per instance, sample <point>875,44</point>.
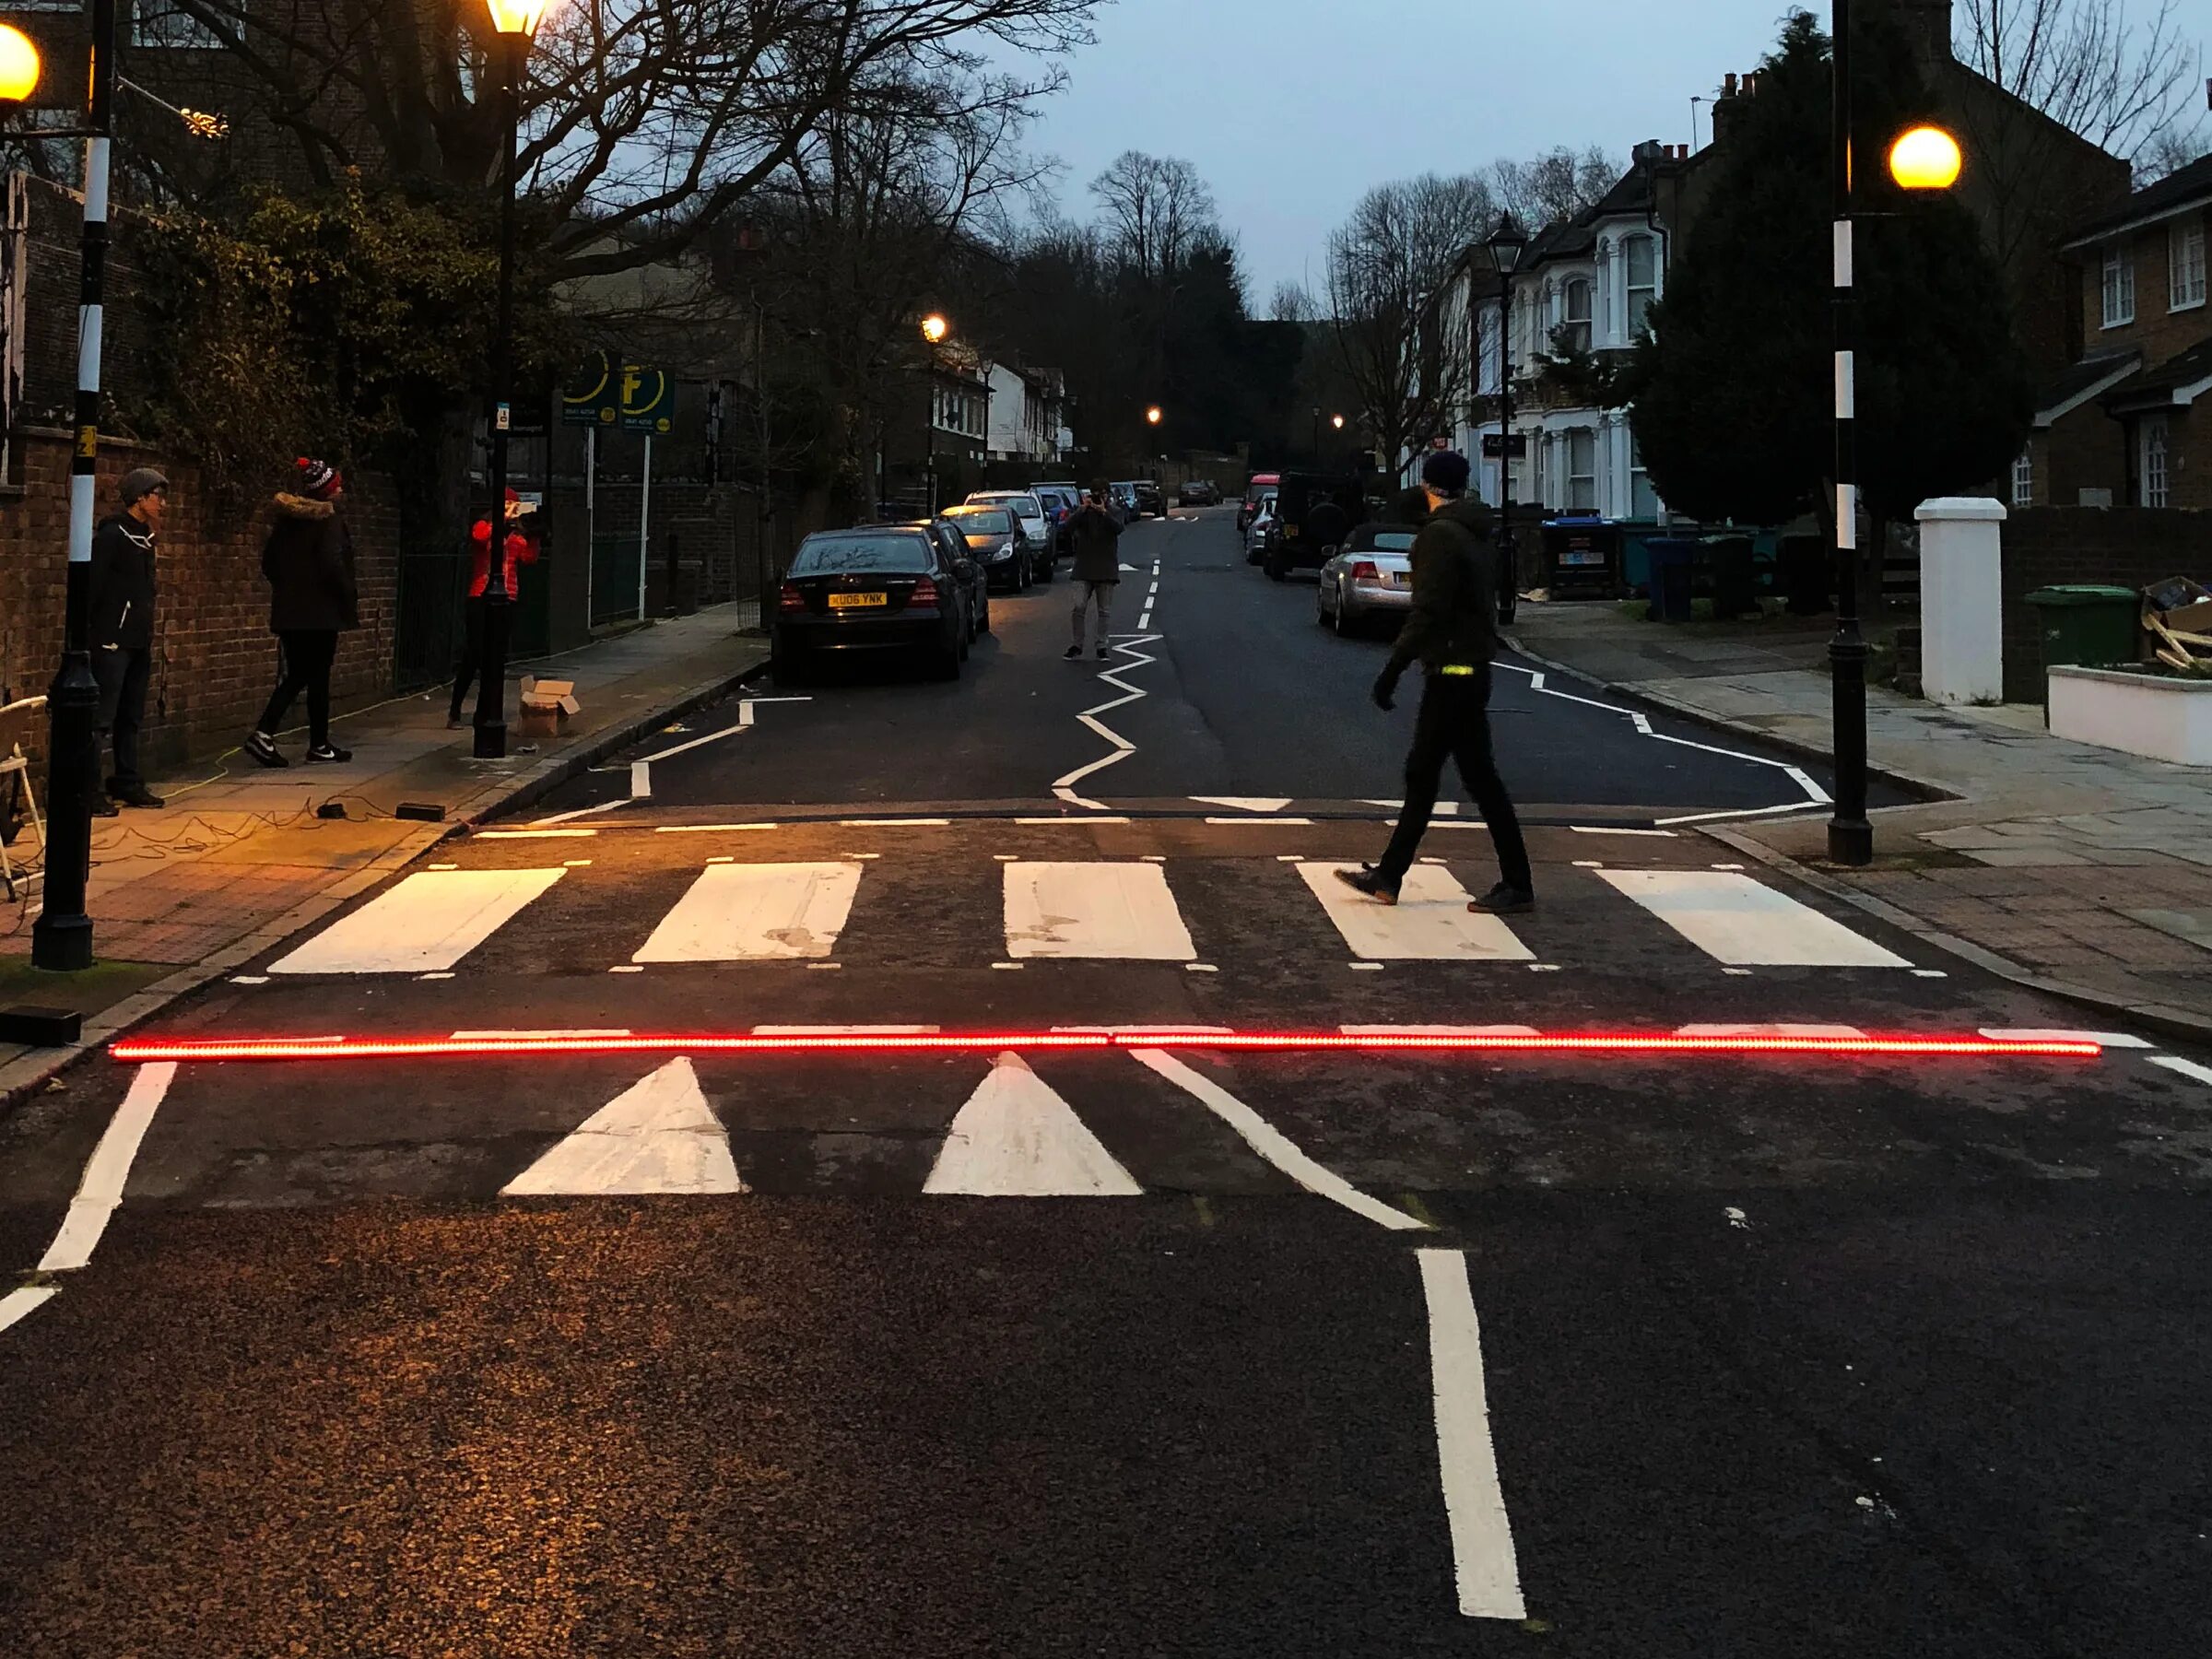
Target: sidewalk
<point>2078,870</point>
<point>239,860</point>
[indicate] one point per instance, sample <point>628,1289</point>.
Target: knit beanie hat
<point>1446,472</point>
<point>319,479</point>
<point>139,484</point>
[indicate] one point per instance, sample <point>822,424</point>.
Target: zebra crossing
<point>1134,911</point>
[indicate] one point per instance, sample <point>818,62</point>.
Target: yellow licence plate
<point>858,601</point>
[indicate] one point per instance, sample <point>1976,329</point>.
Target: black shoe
<point>1075,653</point>
<point>328,752</point>
<point>262,747</point>
<point>1504,900</point>
<point>103,808</point>
<point>134,794</point>
<point>1365,881</point>
<point>1103,654</point>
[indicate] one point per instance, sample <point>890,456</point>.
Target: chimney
<point>1927,25</point>
<point>1729,108</point>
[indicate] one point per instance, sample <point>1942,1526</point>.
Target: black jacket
<point>1096,535</point>
<point>1455,617</point>
<point>123,585</point>
<point>309,562</point>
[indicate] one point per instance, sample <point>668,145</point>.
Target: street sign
<point>1494,446</point>
<point>648,399</point>
<point>590,398</point>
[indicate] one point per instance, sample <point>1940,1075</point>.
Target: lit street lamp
<point>937,331</point>
<point>1506,243</point>
<point>1922,158</point>
<point>516,22</point>
<point>1154,415</point>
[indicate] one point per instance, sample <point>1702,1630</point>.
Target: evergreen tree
<point>1734,406</point>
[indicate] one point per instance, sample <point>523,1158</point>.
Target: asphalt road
<point>1148,1347</point>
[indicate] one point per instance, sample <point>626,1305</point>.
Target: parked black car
<point>975,582</point>
<point>1301,541</point>
<point>997,542</point>
<point>1200,492</point>
<point>1150,500</point>
<point>874,589</point>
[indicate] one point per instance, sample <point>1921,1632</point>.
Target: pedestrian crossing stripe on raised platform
<point>1121,911</point>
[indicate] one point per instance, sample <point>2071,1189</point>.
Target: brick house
<point>2130,422</point>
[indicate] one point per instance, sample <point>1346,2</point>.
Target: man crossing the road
<point>1096,535</point>
<point>1452,633</point>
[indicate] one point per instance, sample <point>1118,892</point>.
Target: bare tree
<point>1552,187</point>
<point>1388,272</point>
<point>1157,211</point>
<point>645,121</point>
<point>2126,83</point>
<point>1291,303</point>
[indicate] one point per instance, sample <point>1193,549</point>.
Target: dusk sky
<point>1291,108</point>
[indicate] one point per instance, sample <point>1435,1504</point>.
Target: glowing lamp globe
<point>1926,158</point>
<point>1154,415</point>
<point>518,16</point>
<point>935,329</point>
<point>1336,421</point>
<point>19,66</point>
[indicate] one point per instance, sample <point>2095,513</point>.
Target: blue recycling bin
<point>1674,561</point>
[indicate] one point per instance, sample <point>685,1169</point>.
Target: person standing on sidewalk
<point>1452,633</point>
<point>123,630</point>
<point>522,550</point>
<point>1096,537</point>
<point>313,599</point>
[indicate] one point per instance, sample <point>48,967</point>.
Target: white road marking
<point>443,866</point>
<point>1431,922</point>
<point>1063,819</point>
<point>1609,829</point>
<point>1296,823</point>
<point>711,829</point>
<point>640,780</point>
<point>895,823</point>
<point>99,1189</point>
<point>845,1030</point>
<point>1769,1031</point>
<point>1438,1030</point>
<point>1120,911</point>
<point>658,1136</point>
<point>1017,1138</point>
<point>250,979</point>
<point>1929,973</point>
<point>1748,812</point>
<point>1486,1566</point>
<point>1122,748</point>
<point>553,1033</point>
<point>545,824</point>
<point>745,913</point>
<point>1262,804</point>
<point>537,834</point>
<point>2187,1068</point>
<point>427,924</point>
<point>28,1298</point>
<point>566,864</point>
<point>626,967</point>
<point>1741,922</point>
<point>2110,1040</point>
<point>1271,1143</point>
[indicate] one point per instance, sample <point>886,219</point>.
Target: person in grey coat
<point>1096,535</point>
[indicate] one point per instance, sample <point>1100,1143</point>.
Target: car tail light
<point>1364,571</point>
<point>790,599</point>
<point>925,592</point>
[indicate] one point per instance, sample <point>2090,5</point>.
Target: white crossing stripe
<point>2110,1040</point>
<point>426,924</point>
<point>1483,1558</point>
<point>1017,1138</point>
<point>658,1136</point>
<point>1117,912</point>
<point>1744,924</point>
<point>750,913</point>
<point>1245,802</point>
<point>1431,922</point>
<point>2185,1068</point>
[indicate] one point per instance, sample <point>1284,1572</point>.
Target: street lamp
<point>1507,243</point>
<point>19,66</point>
<point>515,21</point>
<point>936,330</point>
<point>1922,158</point>
<point>1154,415</point>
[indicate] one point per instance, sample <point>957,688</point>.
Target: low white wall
<point>2163,718</point>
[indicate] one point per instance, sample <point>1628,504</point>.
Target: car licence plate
<point>858,601</point>
<point>1583,558</point>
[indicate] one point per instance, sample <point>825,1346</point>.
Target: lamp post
<point>515,22</point>
<point>936,330</point>
<point>1506,243</point>
<point>1923,158</point>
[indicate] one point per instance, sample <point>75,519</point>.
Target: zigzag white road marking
<point>1122,748</point>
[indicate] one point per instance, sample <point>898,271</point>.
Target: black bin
<point>1583,558</point>
<point>1734,576</point>
<point>1673,577</point>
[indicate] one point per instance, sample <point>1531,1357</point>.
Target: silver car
<point>1256,534</point>
<point>1368,581</point>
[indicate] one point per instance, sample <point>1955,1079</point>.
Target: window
<point>164,23</point>
<point>2119,287</point>
<point>1582,470</point>
<point>1641,254</point>
<point>2185,262</point>
<point>1643,500</point>
<point>1574,316</point>
<point>2023,479</point>
<point>2152,471</point>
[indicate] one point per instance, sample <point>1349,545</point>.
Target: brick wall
<point>2159,331</point>
<point>214,658</point>
<point>2053,546</point>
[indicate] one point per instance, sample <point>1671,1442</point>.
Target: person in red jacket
<point>522,542</point>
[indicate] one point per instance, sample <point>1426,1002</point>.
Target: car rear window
<point>846,555</point>
<point>1391,541</point>
<point>982,520</point>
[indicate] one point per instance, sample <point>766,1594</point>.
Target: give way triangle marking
<point>658,1136</point>
<point>1244,803</point>
<point>1017,1138</point>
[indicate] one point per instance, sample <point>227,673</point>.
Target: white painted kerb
<point>1962,599</point>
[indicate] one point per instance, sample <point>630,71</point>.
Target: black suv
<point>1300,540</point>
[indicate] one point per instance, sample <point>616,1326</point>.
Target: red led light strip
<point>141,1051</point>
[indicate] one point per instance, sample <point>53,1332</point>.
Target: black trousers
<point>122,674</point>
<point>1455,724</point>
<point>303,664</point>
<point>472,651</point>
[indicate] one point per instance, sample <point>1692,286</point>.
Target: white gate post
<point>1962,599</point>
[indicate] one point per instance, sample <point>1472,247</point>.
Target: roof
<point>2089,378</point>
<point>2175,193</point>
<point>2176,383</point>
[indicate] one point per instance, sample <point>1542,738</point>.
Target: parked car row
<point>1134,498</point>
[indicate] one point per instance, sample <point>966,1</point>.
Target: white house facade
<point>1025,414</point>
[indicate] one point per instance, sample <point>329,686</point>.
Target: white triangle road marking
<point>658,1136</point>
<point>1244,803</point>
<point>1017,1138</point>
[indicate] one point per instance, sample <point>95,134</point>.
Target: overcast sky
<point>1291,108</point>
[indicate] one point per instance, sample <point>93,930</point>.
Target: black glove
<point>1386,691</point>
